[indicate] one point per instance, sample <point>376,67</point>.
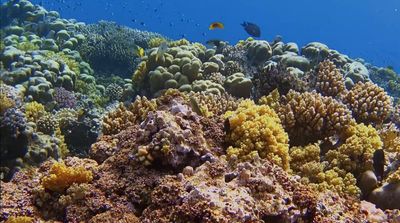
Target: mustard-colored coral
<point>124,117</point>
<point>34,110</point>
<point>213,104</point>
<point>306,162</point>
<point>337,180</point>
<point>330,81</point>
<point>256,130</point>
<point>5,103</point>
<point>20,219</point>
<point>272,99</point>
<point>390,137</point>
<point>61,177</point>
<point>356,153</point>
<point>66,59</point>
<point>179,42</point>
<point>62,145</point>
<point>369,103</point>
<point>394,177</point>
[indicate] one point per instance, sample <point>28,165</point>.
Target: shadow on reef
<point>251,132</point>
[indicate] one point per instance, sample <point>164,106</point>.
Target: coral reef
<point>253,132</point>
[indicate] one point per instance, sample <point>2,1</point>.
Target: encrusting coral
<point>257,130</point>
<point>369,103</point>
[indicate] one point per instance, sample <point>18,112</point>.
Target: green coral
<point>27,46</point>
<point>238,85</point>
<point>63,58</point>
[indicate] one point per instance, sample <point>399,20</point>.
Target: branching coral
<point>369,103</point>
<point>47,124</point>
<point>213,104</point>
<point>330,81</point>
<point>256,129</point>
<point>123,116</point>
<point>390,136</point>
<point>355,154</point>
<point>309,117</point>
<point>61,177</point>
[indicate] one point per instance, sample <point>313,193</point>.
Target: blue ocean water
<point>368,29</point>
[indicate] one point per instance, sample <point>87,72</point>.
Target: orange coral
<point>369,103</point>
<point>330,81</point>
<point>61,177</point>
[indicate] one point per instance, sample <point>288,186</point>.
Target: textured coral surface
<point>104,123</point>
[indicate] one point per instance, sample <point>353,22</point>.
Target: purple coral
<point>64,98</point>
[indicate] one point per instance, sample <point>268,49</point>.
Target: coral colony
<point>253,132</point>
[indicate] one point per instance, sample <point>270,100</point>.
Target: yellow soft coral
<point>355,154</point>
<point>272,99</point>
<point>61,177</point>
<point>33,111</point>
<point>20,219</point>
<point>256,130</point>
<point>306,162</point>
<point>123,116</point>
<point>337,180</point>
<point>394,177</point>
